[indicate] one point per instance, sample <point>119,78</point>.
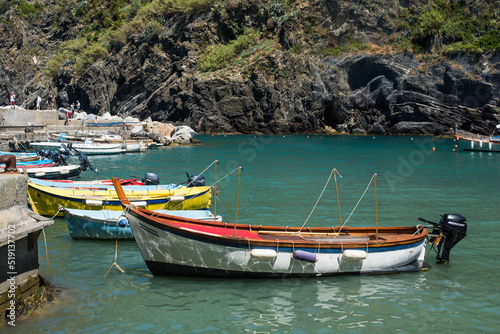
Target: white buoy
<point>355,254</point>
<point>263,253</point>
<point>140,203</point>
<point>93,202</point>
<point>176,198</point>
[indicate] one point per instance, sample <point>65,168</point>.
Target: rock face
<point>157,76</point>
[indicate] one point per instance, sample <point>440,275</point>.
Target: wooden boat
<point>107,224</point>
<point>91,183</point>
<point>182,246</point>
<point>129,184</point>
<point>46,200</point>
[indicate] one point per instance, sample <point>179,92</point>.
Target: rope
<point>58,210</point>
<point>359,200</point>
<point>47,252</point>
<point>116,249</point>
<point>355,207</point>
<point>324,188</point>
<point>231,172</point>
<point>215,161</point>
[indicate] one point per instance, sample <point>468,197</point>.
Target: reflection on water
<point>281,181</point>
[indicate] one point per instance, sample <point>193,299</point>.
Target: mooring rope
<point>47,252</point>
<point>59,209</point>
<point>116,248</point>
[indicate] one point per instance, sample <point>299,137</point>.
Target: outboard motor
<point>196,180</point>
<point>64,151</point>
<point>151,179</point>
<point>451,229</point>
<point>44,153</point>
<point>85,163</point>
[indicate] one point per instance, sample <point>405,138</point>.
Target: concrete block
<point>14,190</point>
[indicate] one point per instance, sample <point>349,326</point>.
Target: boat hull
<point>85,224</point>
<point>47,200</point>
<point>179,252</point>
<point>53,173</point>
<point>479,145</point>
<point>84,148</point>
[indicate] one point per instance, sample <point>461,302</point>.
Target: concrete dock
<point>20,284</point>
<point>19,127</point>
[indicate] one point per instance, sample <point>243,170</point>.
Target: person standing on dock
<point>72,110</point>
<point>38,101</point>
<point>78,106</point>
<point>12,100</point>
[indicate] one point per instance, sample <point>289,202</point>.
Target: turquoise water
<point>281,181</point>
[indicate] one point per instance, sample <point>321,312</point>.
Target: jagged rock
<point>183,135</point>
<point>156,78</point>
<point>165,130</point>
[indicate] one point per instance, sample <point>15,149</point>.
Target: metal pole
<point>236,206</point>
<point>215,191</point>
<point>376,217</point>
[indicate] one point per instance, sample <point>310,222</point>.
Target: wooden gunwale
<point>388,236</point>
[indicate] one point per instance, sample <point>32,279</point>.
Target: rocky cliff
<point>276,86</point>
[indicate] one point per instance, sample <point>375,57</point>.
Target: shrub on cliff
<point>217,56</point>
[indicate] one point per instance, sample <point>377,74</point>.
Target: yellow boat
<point>47,200</point>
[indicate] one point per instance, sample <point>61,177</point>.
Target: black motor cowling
<point>151,179</point>
<point>452,228</point>
<point>196,180</point>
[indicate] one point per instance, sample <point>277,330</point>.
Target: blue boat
<point>108,224</point>
<point>34,162</point>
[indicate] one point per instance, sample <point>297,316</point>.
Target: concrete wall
<point>21,117</point>
<point>19,231</point>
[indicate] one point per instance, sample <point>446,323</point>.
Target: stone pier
<point>20,284</point>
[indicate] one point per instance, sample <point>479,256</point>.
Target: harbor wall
<point>22,117</point>
<point>19,232</point>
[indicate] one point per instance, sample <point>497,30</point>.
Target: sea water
<point>288,181</point>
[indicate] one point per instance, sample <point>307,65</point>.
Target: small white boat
<point>480,144</point>
<point>53,173</point>
<point>88,147</point>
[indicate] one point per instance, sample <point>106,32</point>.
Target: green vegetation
<point>218,55</point>
<point>97,28</point>
<point>451,26</point>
